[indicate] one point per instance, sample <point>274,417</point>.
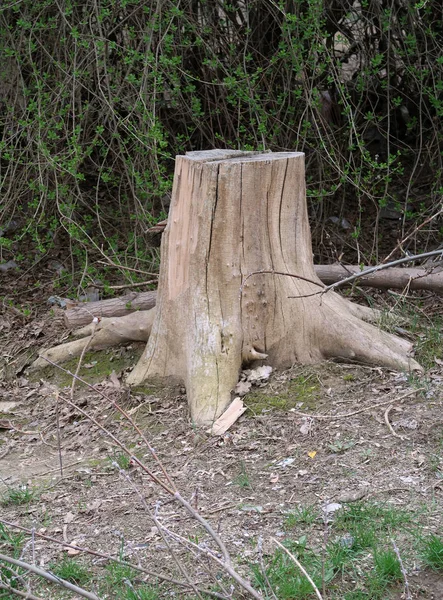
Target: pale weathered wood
<point>109,332</point>
<point>229,217</point>
<point>395,277</point>
<point>83,313</point>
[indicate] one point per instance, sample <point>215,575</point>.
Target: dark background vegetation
<point>98,96</point>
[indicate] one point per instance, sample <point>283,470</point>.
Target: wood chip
<point>228,418</point>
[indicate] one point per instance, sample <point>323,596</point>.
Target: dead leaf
<point>306,428</point>
<point>114,380</point>
<point>260,374</point>
<point>242,388</point>
<point>312,454</point>
<point>68,518</point>
<point>72,551</point>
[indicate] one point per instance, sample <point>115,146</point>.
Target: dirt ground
<point>313,436</point>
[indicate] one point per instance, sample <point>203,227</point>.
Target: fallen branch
<point>397,278</point>
<point>83,313</point>
<point>108,557</point>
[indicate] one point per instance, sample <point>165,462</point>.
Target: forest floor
<point>341,463</point>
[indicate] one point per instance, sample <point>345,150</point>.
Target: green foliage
<point>11,544</point>
<point>242,479</point>
<point>94,110</point>
<point>285,578</point>
<point>121,459</point>
<point>302,514</point>
<point>433,552</point>
<point>18,495</point>
<point>71,570</point>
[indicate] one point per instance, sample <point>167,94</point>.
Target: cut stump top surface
<point>238,155</point>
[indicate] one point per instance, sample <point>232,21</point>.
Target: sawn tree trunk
<point>234,213</point>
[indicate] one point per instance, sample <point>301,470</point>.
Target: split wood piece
<point>109,332</point>
<point>228,418</point>
<point>234,213</point>
<point>395,277</point>
<point>83,313</point>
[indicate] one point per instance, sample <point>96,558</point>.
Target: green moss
<point>95,367</point>
<point>146,390</point>
<point>301,389</point>
<point>348,378</point>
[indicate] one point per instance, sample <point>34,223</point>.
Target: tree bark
<point>234,213</point>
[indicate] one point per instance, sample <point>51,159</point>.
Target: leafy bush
<point>97,98</point>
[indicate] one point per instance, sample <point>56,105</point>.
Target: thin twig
<point>345,281</point>
<point>284,273</point>
<point>227,567</point>
<point>356,412</point>
<point>262,567</point>
<point>27,595</point>
<point>391,429</point>
<point>170,489</point>
<point>403,570</point>
<point>110,263</point>
<point>49,577</point>
<point>381,267</point>
<point>401,242</point>
<point>124,285</point>
<point>109,558</point>
<point>302,569</point>
<point>158,525</point>
<point>95,322</point>
<point>217,539</point>
<point>59,443</point>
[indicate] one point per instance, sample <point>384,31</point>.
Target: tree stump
<point>234,213</point>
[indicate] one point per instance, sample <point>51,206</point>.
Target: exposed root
<point>109,332</point>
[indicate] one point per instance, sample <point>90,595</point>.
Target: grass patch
<point>71,570</point>
<point>340,446</point>
<point>433,552</point>
<point>11,544</point>
<point>306,515</point>
<point>122,460</point>
<point>382,517</point>
<point>242,479</point>
<point>358,561</point>
<point>122,582</point>
<point>285,578</point>
<point>19,495</point>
